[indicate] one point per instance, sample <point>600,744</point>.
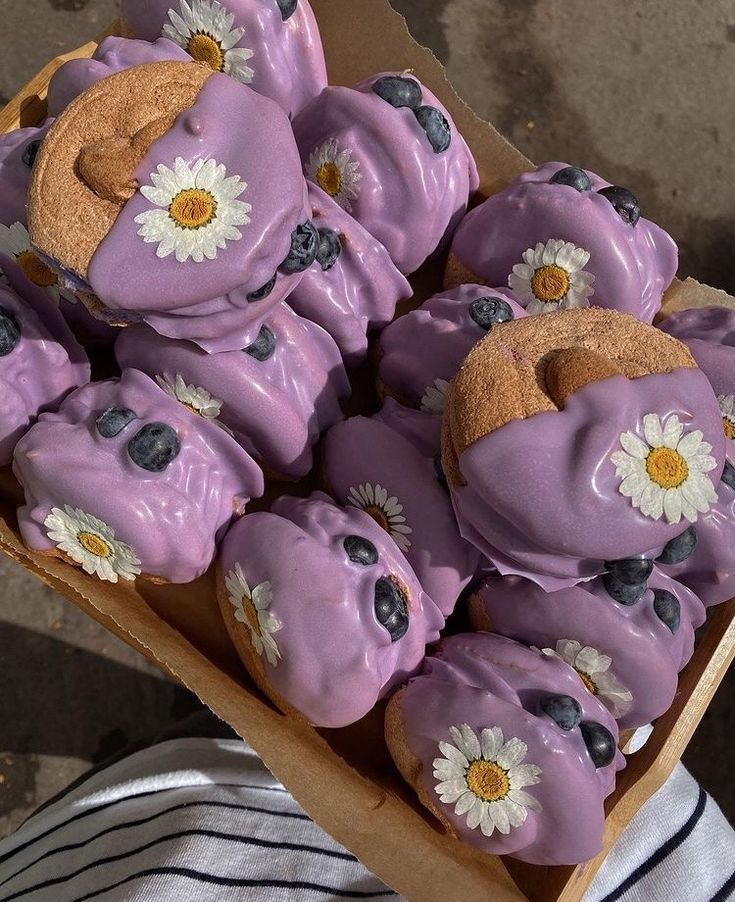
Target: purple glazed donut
<point>422,351</point>
<point>40,363</point>
<point>508,749</point>
<point>18,151</point>
<point>627,655</point>
<point>368,465</point>
<point>389,153</point>
<point>271,45</point>
<point>564,237</point>
<point>352,287</point>
<point>324,609</point>
<point>275,396</point>
<point>422,430</point>
<point>123,481</point>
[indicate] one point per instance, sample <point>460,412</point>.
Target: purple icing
<point>15,175</point>
<point>287,59</point>
<point>646,654</point>
<point>632,264</point>
<point>486,681</point>
<point>171,519</point>
<point>422,430</point>
<point>275,408</point>
<point>409,197</point>
<point>362,452</point>
<point>542,497</point>
<point>359,292</point>
<point>336,660</point>
<point>430,343</point>
<point>709,333</point>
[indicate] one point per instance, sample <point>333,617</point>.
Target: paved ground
<point>643,91</point>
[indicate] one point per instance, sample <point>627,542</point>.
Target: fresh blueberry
<point>563,710</point>
<point>391,608</point>
<point>263,292</point>
<point>728,475</point>
<point>679,548</point>
<point>9,332</point>
<point>622,592</point>
<point>631,571</point>
<point>437,129</point>
<point>31,152</point>
<point>399,91</point>
<point>599,741</point>
<point>488,312</point>
<point>330,247</point>
<point>360,551</point>
<point>575,178</point>
<point>154,447</point>
<point>666,606</point>
<point>287,8</point>
<point>439,471</point>
<point>304,246</point>
<point>624,202</point>
<point>264,345</point>
<point>114,420</point>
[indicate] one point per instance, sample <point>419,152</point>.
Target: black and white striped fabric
<point>202,819</point>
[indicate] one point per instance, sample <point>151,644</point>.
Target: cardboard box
<point>344,778</point>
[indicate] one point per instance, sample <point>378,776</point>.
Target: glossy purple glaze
<point>359,293</point>
<point>288,61</point>
<point>632,265</point>
<point>275,408</point>
<point>542,496</point>
<point>409,197</point>
<point>485,681</point>
<point>15,175</point>
<point>646,655</point>
<point>171,519</point>
<point>336,658</point>
<point>709,333</point>
<point>422,430</point>
<point>366,451</point>
<point>431,342</point>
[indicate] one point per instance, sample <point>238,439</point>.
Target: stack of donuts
<point>512,554</point>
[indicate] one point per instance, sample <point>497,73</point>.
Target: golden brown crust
<point>456,274</point>
<point>572,369</point>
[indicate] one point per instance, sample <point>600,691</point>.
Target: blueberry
<point>439,471</point>
<point>680,548</point>
<point>9,332</point>
<point>263,292</point>
<point>330,247</point>
<point>621,592</point>
<point>624,202</point>
<point>264,345</point>
<point>666,606</point>
<point>154,447</point>
<point>631,571</point>
<point>488,312</point>
<point>114,420</point>
<point>399,91</point>
<point>599,741</point>
<point>287,8</point>
<point>728,475</point>
<point>391,607</point>
<point>360,551</point>
<point>563,710</point>
<point>437,129</point>
<point>304,246</point>
<point>31,152</point>
<point>575,178</point>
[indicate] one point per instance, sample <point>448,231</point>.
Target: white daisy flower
<point>198,211</point>
<point>198,400</point>
<point>727,408</point>
<point>435,397</point>
<point>667,473</point>
<point>336,173</point>
<point>386,510</point>
<point>204,29</point>
<point>15,242</point>
<point>593,668</point>
<point>552,276</point>
<point>251,609</point>
<point>484,779</point>
<point>91,543</point>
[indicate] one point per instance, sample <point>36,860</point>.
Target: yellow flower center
<point>729,426</point>
<point>193,208</point>
<point>487,780</point>
<point>251,615</point>
<point>550,283</point>
<point>94,544</point>
<point>588,681</point>
<point>329,178</point>
<point>206,50</point>
<point>667,468</point>
<point>378,514</point>
<point>35,270</point>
